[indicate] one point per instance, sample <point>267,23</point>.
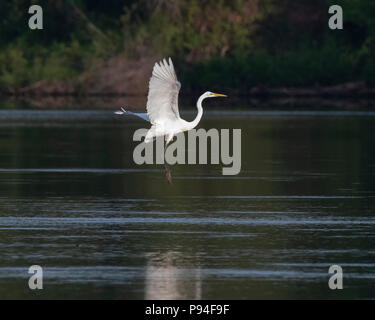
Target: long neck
<point>195,122</point>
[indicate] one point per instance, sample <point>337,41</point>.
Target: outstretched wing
<point>162,100</point>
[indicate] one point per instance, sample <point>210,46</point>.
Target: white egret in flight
<point>162,105</point>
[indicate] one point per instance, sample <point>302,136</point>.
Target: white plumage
<point>162,100</point>
<point>162,104</point>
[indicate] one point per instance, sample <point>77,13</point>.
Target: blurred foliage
<point>192,30</point>
<point>237,44</point>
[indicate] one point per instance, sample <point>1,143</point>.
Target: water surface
<point>73,201</point>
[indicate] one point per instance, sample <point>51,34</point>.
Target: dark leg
<point>168,174</point>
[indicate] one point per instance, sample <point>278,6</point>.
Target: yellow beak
<point>219,95</point>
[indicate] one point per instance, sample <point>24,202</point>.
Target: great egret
<point>162,105</point>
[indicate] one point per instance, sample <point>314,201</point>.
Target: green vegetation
<point>234,44</point>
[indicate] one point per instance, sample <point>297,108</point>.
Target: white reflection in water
<point>166,280</point>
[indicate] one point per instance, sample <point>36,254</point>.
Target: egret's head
<point>210,94</point>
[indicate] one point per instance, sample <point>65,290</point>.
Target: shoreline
<point>58,95</point>
<point>185,101</point>
<point>63,89</point>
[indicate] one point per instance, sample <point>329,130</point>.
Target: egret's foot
<point>168,175</point>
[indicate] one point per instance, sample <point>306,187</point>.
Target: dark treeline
<point>233,44</point>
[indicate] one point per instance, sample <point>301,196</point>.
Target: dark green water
<point>73,202</point>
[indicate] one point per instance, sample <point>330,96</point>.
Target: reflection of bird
<point>168,276</point>
<point>162,105</point>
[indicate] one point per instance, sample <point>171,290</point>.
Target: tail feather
<point>122,111</point>
<point>143,116</point>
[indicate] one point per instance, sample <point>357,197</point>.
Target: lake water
<point>73,201</point>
